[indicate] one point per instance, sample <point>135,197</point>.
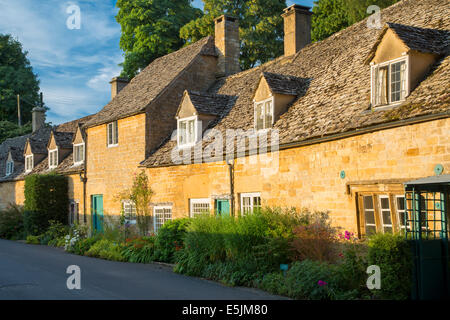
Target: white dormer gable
<point>399,60</point>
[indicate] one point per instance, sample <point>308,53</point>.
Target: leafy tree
<point>261,27</point>
<point>140,194</point>
<point>150,29</point>
<point>331,16</point>
<point>10,130</point>
<point>16,77</point>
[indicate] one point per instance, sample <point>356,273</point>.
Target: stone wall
<point>309,176</point>
<point>110,171</point>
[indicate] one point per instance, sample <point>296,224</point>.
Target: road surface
<point>39,273</point>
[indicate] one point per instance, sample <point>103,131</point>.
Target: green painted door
<point>223,208</point>
<point>97,212</point>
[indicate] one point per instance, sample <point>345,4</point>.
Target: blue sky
<point>74,66</point>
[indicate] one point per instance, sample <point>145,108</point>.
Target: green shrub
<point>314,280</point>
<point>46,198</point>
<point>392,254</point>
<point>82,246</point>
<point>106,249</point>
<point>33,239</point>
<point>11,223</point>
<point>55,232</point>
<point>140,250</point>
<point>255,243</point>
<point>170,240</point>
<point>274,283</point>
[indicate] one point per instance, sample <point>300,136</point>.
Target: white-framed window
<point>29,163</point>
<point>78,153</point>
<point>250,202</point>
<point>385,214</point>
<point>264,114</point>
<point>199,207</point>
<point>390,82</point>
<point>53,159</point>
<point>369,215</point>
<point>401,211</point>
<point>9,168</point>
<point>113,134</point>
<point>187,131</point>
<point>74,215</point>
<point>129,211</point>
<point>161,214</point>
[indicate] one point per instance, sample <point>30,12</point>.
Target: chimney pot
<point>38,118</point>
<point>297,28</point>
<point>117,84</point>
<point>228,45</point>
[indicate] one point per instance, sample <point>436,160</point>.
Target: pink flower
<point>322,283</point>
<point>347,235</point>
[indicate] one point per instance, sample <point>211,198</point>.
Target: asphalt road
<point>30,272</point>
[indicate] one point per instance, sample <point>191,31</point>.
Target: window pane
<point>110,134</point>
<point>116,133</point>
<point>183,132</point>
<point>387,218</point>
<point>191,133</point>
<point>259,116</point>
<point>398,81</point>
<point>384,203</point>
<point>368,202</point>
<point>369,215</point>
<point>268,115</point>
<point>381,88</point>
<point>370,230</point>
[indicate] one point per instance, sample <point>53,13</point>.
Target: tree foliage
<point>46,199</point>
<point>140,194</point>
<point>331,16</point>
<point>16,77</point>
<point>150,29</point>
<point>11,130</point>
<point>261,27</point>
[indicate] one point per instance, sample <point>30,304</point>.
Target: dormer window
<point>78,153</point>
<point>29,163</point>
<point>390,82</point>
<point>113,134</point>
<point>53,159</point>
<point>9,168</point>
<point>187,132</point>
<point>264,114</point>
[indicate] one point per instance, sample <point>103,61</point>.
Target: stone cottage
<point>338,125</point>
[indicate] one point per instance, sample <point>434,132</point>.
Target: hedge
<point>46,199</point>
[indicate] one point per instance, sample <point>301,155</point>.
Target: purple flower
<point>347,235</point>
<point>322,283</point>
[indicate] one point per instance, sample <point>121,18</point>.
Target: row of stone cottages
<point>349,119</point>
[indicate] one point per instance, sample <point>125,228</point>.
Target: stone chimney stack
<point>38,118</point>
<point>297,28</point>
<point>228,45</point>
<point>117,84</point>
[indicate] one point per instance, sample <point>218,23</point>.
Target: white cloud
<point>74,66</point>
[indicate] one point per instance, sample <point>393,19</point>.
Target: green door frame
<point>97,212</point>
<point>222,207</point>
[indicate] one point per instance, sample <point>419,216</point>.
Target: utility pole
<point>19,115</point>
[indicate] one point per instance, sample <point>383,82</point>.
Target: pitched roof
<point>151,82</point>
<point>417,39</point>
<point>209,104</point>
<point>283,84</point>
<point>63,139</point>
<point>335,97</point>
<point>39,141</point>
